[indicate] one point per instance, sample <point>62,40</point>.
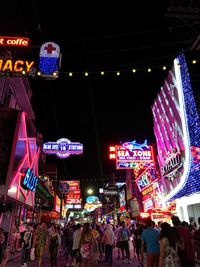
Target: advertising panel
<point>131,153</point>
<point>57,203</point>
<point>73,195</point>
<point>63,148</point>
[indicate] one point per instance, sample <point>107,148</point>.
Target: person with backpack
<point>26,245</point>
<point>109,240</point>
<point>124,235</point>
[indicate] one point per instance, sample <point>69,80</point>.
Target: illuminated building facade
<point>177,132</point>
<point>20,151</point>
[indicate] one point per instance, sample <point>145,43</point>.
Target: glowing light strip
<point>17,172</point>
<point>186,137</point>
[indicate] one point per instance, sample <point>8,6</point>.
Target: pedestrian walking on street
<point>76,245</point>
<point>124,235</point>
<point>118,227</point>
<point>26,245</point>
<point>168,247</point>
<point>42,242</point>
<point>87,243</point>
<point>54,243</point>
<point>109,240</point>
<point>68,242</point>
<point>14,238</point>
<point>150,243</point>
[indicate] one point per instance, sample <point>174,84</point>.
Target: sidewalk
<point>14,256</point>
<point>14,260</point>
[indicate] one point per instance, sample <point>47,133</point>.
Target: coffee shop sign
<point>63,148</point>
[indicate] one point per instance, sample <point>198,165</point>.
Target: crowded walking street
<point>15,261</point>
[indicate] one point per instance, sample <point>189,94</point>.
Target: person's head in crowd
<point>166,232</point>
<point>43,226</point>
<point>123,224</point>
<point>86,228</point>
<point>175,220</point>
<point>149,222</point>
<point>185,224</point>
<point>78,226</point>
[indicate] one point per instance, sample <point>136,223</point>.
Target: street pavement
<point>14,261</point>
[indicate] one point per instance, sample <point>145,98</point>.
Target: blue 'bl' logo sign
<point>30,180</point>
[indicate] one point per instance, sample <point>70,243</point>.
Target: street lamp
<point>90,191</point>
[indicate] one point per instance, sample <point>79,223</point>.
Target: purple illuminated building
<point>177,132</point>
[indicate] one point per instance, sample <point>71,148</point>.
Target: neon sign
<point>131,153</point>
<point>14,41</point>
<point>30,180</point>
<point>63,148</point>
<point>15,65</point>
<point>49,60</point>
<point>143,181</point>
<point>112,152</point>
<point>172,164</point>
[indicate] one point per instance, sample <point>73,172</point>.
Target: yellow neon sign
<point>16,65</point>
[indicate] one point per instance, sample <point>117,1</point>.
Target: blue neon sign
<point>63,148</point>
<point>30,180</point>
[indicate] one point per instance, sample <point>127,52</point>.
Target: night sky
<point>99,111</point>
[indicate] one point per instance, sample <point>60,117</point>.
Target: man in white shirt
<point>76,245</point>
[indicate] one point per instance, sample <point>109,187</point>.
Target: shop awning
<point>43,192</point>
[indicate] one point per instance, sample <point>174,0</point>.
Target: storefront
<point>18,192</point>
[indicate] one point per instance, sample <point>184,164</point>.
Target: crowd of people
<point>164,245</point>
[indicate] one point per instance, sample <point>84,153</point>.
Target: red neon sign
<point>14,41</point>
<point>112,152</point>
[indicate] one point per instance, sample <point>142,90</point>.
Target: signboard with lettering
<point>17,66</point>
<point>131,153</point>
<point>57,203</point>
<point>63,187</point>
<point>14,41</point>
<point>30,180</point>
<point>73,206</point>
<point>171,164</point>
<point>74,185</point>
<point>110,192</point>
<point>75,194</point>
<point>63,148</point>
<point>148,204</point>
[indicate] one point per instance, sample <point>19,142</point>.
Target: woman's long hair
<point>167,232</point>
<point>86,231</point>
